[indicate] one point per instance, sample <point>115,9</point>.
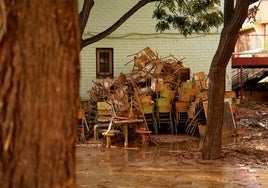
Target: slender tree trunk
<point>212,141</point>
<point>84,15</point>
<point>39,92</point>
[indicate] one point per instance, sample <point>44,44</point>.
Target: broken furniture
<point>197,113</point>
<point>166,85</point>
<point>151,74</point>
<point>126,124</point>
<point>143,133</point>
<point>229,118</point>
<point>116,124</point>
<point>198,119</point>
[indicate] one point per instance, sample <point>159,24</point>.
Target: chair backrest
<point>163,105</point>
<point>80,114</point>
<point>163,102</point>
<point>103,108</point>
<point>160,86</point>
<point>187,94</point>
<point>199,76</point>
<point>168,93</point>
<point>80,118</point>
<point>182,106</point>
<point>146,100</point>
<point>230,94</point>
<point>148,109</point>
<point>186,85</point>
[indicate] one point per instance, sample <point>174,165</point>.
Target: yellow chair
<point>181,109</point>
<point>160,87</point>
<point>164,113</point>
<point>103,118</point>
<point>147,105</point>
<point>104,109</point>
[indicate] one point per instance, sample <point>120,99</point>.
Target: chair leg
<point>96,132</point>
<point>175,125</point>
<point>171,128</point>
<point>155,126</point>
<point>108,138</point>
<point>82,136</point>
<point>108,141</point>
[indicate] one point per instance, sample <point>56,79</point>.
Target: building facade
<point>250,58</point>
<point>195,51</point>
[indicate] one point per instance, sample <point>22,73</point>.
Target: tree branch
<point>118,23</point>
<point>84,14</point>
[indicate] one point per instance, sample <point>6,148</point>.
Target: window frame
<point>109,73</point>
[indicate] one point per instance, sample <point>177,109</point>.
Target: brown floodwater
<point>153,166</point>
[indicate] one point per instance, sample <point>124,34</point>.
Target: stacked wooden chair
<point>148,108</point>
<point>164,109</point>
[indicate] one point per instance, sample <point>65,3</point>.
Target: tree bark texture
<point>39,93</point>
<point>212,142</point>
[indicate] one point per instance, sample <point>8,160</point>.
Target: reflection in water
<point>154,167</point>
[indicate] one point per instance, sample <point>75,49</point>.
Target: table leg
<point>126,135</point>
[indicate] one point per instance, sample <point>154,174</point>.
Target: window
<point>104,57</point>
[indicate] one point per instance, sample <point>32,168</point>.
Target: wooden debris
<point>153,76</point>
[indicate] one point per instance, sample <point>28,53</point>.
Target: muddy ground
<point>250,146</point>
<point>244,156</point>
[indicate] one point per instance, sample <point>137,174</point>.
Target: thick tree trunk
<point>212,142</point>
<point>39,92</point>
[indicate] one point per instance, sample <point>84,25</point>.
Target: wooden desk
<point>126,123</point>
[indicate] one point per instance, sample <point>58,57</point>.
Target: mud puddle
<point>156,166</point>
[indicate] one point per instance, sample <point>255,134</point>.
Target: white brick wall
<point>137,33</point>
